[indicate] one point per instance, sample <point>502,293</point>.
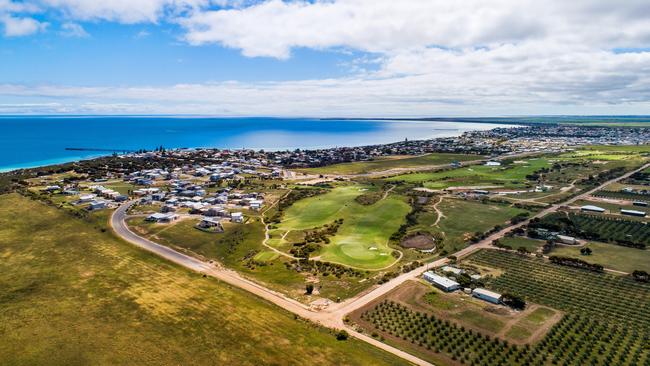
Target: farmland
<point>386,163</point>
<point>73,294</point>
<point>609,229</point>
<point>608,297</point>
<point>575,340</point>
<point>611,256</point>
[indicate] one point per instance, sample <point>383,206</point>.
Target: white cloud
<point>434,57</point>
<point>274,27</point>
<point>73,30</point>
<point>18,27</point>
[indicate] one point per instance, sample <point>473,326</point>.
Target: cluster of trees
<point>575,263</point>
<point>321,235</point>
<point>411,220</point>
<point>513,301</point>
<point>322,268</point>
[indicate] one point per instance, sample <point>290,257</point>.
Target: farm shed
<point>441,282</point>
<point>487,295</point>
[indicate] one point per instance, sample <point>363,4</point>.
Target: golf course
<point>362,239</point>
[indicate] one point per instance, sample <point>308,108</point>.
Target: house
<point>52,188</point>
<point>633,213</point>
<point>567,239</point>
<point>640,203</point>
<point>441,282</point>
<point>158,196</point>
<point>167,209</point>
<point>86,198</point>
<point>162,217</point>
<point>592,208</point>
<point>454,270</point>
<point>210,223</point>
<point>97,205</point>
<point>487,295</point>
<point>493,163</point>
<point>237,217</point>
<point>121,198</point>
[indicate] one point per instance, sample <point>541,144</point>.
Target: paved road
<point>333,316</point>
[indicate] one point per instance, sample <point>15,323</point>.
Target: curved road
<point>333,316</point>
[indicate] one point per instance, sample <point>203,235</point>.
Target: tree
<point>641,276</point>
<point>585,251</point>
<point>309,288</point>
<point>513,301</point>
<point>342,335</point>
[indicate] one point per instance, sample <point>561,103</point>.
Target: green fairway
<point>362,239</point>
<point>610,256</point>
<point>385,163</point>
<point>72,294</point>
<point>513,175</point>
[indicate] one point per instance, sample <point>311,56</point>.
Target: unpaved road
<point>331,317</point>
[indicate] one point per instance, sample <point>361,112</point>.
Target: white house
<point>162,217</point>
<point>493,163</point>
<point>487,295</point>
<point>209,223</point>
<point>441,282</point>
<point>237,217</point>
<point>87,198</point>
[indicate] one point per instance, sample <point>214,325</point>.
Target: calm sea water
<point>36,141</point>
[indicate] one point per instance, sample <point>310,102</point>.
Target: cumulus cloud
<point>17,26</point>
<point>432,57</point>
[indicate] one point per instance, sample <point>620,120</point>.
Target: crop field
<point>71,293</point>
<point>386,163</point>
<point>362,239</point>
<point>462,219</point>
<point>615,257</point>
<point>512,175</point>
<point>575,340</point>
<point>618,299</point>
<point>628,196</point>
<point>599,228</point>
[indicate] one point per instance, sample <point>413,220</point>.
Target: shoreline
<point>441,133</point>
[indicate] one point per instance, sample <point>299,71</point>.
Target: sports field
<point>512,176</point>
<point>72,294</point>
<point>385,163</point>
<point>362,239</point>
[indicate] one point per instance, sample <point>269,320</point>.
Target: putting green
<point>362,240</point>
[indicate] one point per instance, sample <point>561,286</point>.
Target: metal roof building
<point>487,295</point>
<point>441,282</point>
<point>592,208</point>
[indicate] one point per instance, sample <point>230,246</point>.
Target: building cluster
<point>447,284</point>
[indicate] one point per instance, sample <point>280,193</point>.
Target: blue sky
<point>114,54</point>
<point>324,58</point>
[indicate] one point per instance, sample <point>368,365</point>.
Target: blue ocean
<point>36,141</point>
